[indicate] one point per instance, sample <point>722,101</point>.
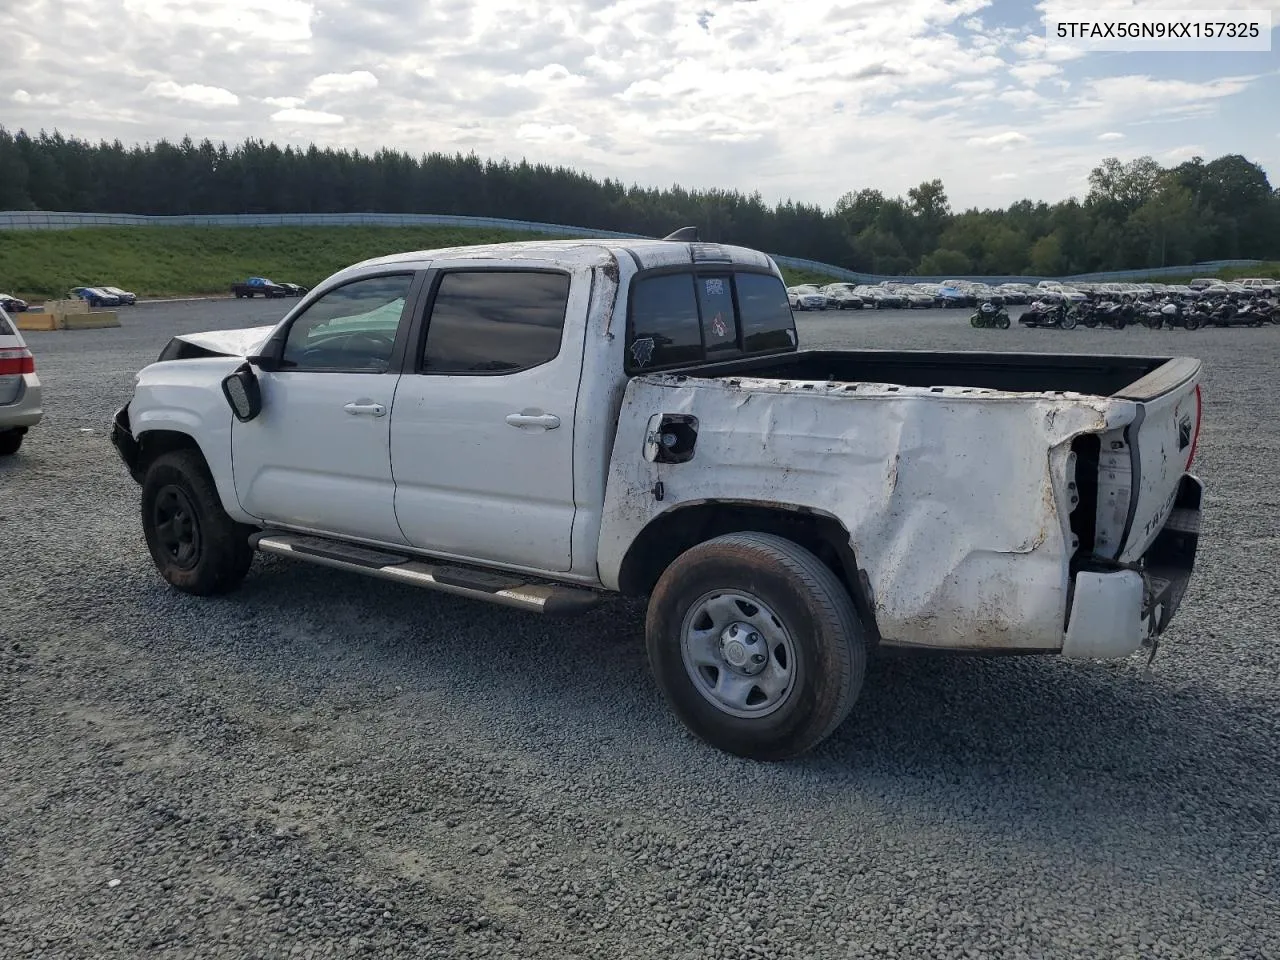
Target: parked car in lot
<point>888,298</point>
<point>806,296</point>
<point>258,287</point>
<point>841,296</point>
<point>640,420</point>
<point>1221,289</point>
<point>20,408</point>
<point>126,297</point>
<point>917,298</point>
<point>11,303</point>
<point>1263,285</point>
<point>294,289</point>
<point>94,296</point>
<point>1014,293</point>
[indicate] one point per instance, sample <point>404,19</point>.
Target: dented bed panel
<point>951,496</point>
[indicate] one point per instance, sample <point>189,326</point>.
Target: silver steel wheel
<point>738,654</point>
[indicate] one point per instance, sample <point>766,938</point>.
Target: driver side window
<point>351,329</point>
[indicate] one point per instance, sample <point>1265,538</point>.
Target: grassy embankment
<point>176,261</point>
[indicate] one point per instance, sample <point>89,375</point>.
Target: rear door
<point>483,427</point>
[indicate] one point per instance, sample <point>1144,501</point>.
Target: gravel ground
<point>324,765</point>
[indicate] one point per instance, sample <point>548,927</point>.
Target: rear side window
<point>6,329</point>
<point>664,322</point>
<point>495,321</point>
<point>685,318</point>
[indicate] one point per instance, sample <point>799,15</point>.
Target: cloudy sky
<point>796,98</point>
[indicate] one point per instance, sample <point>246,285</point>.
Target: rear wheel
<point>1004,321</point>
<point>196,547</point>
<point>1069,321</point>
<point>756,645</point>
<point>10,441</point>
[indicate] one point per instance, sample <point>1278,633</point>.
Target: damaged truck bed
<point>976,489</point>
<point>543,424</point>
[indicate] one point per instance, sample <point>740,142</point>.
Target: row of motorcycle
<point>1118,314</point>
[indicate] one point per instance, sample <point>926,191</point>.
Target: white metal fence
<point>60,220</point>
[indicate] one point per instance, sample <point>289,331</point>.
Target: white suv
<point>19,388</point>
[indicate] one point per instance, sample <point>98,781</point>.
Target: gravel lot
<point>324,765</point>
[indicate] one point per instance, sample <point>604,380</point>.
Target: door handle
<point>548,421</point>
<point>357,409</point>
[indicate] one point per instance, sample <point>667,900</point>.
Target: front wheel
<point>1069,321</point>
<point>10,442</point>
<point>1004,322</point>
<point>196,547</point>
<point>755,645</point>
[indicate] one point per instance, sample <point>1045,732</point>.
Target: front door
<point>482,432</point>
<point>318,455</point>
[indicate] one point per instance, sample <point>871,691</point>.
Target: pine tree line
<point>1137,214</point>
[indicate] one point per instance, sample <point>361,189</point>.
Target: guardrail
<point>65,220</point>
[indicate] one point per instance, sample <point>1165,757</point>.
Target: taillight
<point>16,360</point>
<point>1195,436</point>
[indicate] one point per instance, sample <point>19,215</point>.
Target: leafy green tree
<point>944,263</point>
<point>1047,259</point>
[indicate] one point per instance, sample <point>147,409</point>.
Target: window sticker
<point>642,351</point>
<point>715,287</point>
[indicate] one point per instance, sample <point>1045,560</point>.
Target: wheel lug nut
<point>757,658</point>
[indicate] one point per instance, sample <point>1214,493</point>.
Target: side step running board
<point>508,589</point>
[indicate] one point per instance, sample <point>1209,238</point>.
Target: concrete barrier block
<point>36,321</point>
<point>90,321</point>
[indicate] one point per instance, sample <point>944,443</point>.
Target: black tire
<point>10,441</point>
<point>1192,322</point>
<point>209,553</point>
<point>812,610</point>
<point>1003,323</point>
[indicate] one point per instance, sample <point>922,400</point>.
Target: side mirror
<point>243,394</point>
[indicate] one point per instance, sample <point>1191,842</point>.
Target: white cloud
<point>1001,177</point>
<point>553,76</point>
<point>1021,98</point>
<point>542,133</point>
<point>330,83</point>
<point>974,86</point>
<point>287,103</point>
<point>1034,72</point>
<point>1178,154</point>
<point>20,96</point>
<point>306,117</point>
<point>1111,135</point>
<point>263,21</point>
<point>192,93</point>
<point>1006,141</point>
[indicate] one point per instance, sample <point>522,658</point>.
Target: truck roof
<point>644,253</point>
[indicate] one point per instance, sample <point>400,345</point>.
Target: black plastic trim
<point>1135,476</point>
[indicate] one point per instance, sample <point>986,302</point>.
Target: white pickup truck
<point>543,424</point>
